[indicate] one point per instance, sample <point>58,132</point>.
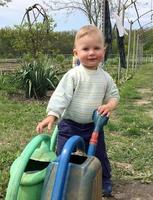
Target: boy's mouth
<point>92,59</point>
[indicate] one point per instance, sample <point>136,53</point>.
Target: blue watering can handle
<point>99,121</point>
<point>75,141</point>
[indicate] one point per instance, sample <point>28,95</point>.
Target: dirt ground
<point>132,191</point>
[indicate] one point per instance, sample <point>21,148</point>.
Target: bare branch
<point>4,2</point>
<point>90,8</point>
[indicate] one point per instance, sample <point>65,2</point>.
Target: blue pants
<point>68,128</point>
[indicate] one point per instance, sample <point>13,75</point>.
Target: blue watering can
<point>81,180</point>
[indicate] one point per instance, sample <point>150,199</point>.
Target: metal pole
<point>102,24</point>
<point>119,6</point>
<point>137,49</point>
<point>129,48</point>
<point>123,11</point>
<point>119,64</point>
<point>142,48</point>
<point>133,57</point>
<point>102,17</point>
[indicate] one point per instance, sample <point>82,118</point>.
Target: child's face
<point>89,49</point>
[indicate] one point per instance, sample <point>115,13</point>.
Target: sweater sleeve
<point>62,96</point>
<point>111,90</point>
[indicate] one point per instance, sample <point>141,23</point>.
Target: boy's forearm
<point>112,103</point>
<point>47,122</point>
<point>51,119</point>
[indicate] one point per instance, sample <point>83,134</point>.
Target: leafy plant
<point>6,84</point>
<point>36,77</point>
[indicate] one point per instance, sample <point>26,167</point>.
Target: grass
<point>17,126</point>
<point>129,133</point>
<point>130,130</point>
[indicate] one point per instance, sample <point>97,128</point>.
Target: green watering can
<point>28,171</point>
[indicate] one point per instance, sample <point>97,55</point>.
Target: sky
<point>15,10</point>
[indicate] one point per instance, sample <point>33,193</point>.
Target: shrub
<point>36,77</point>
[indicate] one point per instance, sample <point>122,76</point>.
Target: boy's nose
<point>91,51</point>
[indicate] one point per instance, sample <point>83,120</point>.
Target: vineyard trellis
<point>138,17</point>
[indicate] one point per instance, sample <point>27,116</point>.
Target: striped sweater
<point>80,92</point>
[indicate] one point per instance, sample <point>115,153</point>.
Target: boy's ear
<point>75,52</point>
<point>105,47</point>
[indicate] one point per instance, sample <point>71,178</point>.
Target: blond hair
<point>88,30</point>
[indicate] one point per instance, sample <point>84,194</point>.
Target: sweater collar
<point>89,71</point>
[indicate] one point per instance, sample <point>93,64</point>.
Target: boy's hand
<point>104,110</point>
<point>107,108</point>
<point>47,122</point>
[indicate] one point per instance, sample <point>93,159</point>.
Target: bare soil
<point>131,191</point>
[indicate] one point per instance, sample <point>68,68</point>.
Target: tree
<point>35,39</point>
<point>4,2</point>
<point>91,8</point>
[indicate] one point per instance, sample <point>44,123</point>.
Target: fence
<point>8,66</point>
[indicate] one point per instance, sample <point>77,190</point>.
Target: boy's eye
<point>85,49</point>
<point>97,48</point>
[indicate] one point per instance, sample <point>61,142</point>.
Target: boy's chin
<point>92,67</point>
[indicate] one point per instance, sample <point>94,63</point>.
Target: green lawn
<point>129,133</point>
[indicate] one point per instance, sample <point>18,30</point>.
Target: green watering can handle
<point>53,139</point>
<point>15,179</point>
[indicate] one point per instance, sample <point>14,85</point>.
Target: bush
<point>36,77</point>
<point>60,58</point>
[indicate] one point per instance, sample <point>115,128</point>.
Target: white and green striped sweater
<point>80,92</point>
